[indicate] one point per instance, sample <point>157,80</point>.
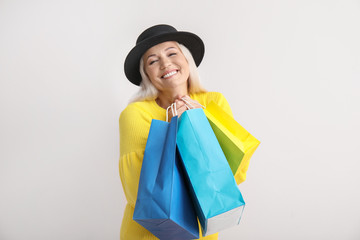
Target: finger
<point>184,108</point>
<point>197,105</point>
<point>179,102</point>
<point>181,111</point>
<point>183,104</point>
<point>194,103</point>
<point>189,102</point>
<point>186,105</point>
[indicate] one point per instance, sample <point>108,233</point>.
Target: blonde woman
<point>164,64</point>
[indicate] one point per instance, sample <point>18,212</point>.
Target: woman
<point>164,64</point>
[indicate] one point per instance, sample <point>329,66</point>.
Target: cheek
<point>185,65</point>
<point>186,68</point>
<point>150,73</point>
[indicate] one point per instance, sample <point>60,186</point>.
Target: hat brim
<point>189,40</point>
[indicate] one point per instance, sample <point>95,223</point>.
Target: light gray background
<point>289,69</point>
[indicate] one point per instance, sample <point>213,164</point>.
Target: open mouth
<point>169,74</point>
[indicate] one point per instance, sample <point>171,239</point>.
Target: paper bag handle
<point>187,104</point>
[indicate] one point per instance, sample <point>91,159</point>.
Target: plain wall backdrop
<point>289,69</point>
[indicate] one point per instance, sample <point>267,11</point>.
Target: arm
<point>134,126</point>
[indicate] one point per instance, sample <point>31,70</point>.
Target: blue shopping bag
<point>218,201</point>
<point>163,204</point>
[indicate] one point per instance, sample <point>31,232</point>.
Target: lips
<point>169,74</point>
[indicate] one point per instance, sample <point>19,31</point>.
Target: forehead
<point>161,47</point>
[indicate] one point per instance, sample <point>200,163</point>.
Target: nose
<point>164,62</point>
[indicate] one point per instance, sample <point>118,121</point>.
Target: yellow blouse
<point>135,122</point>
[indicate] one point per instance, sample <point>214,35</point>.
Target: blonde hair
<point>147,90</point>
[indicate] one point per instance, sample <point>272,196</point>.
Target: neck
<point>165,99</point>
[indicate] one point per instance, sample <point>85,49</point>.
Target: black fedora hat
<point>155,35</point>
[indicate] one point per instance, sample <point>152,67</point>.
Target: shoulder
<point>135,117</point>
<point>134,124</point>
<point>136,110</point>
<point>207,97</point>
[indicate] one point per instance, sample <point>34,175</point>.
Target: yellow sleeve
<point>223,103</point>
<point>134,124</point>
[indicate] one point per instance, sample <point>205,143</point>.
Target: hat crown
<point>155,31</point>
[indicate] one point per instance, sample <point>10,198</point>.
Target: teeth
<point>169,74</point>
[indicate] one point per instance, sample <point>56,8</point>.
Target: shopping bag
<point>217,199</point>
<point>163,204</point>
<point>237,144</point>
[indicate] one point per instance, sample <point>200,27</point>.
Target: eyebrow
<point>153,55</point>
<point>169,48</point>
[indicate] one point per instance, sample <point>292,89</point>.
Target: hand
<point>176,109</point>
<point>181,105</point>
<point>191,103</point>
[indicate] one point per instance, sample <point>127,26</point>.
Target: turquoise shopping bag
<point>163,204</point>
<point>218,201</point>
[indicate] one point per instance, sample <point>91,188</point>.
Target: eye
<point>152,62</point>
<point>172,54</point>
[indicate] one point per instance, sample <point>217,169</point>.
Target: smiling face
<point>166,67</point>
